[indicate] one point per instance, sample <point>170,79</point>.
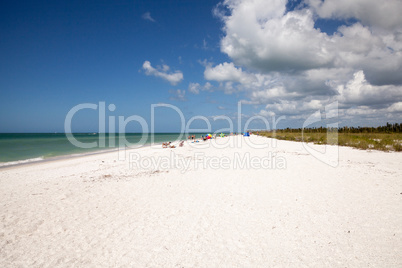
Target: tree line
<point>388,128</point>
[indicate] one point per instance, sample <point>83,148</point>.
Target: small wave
<point>12,163</point>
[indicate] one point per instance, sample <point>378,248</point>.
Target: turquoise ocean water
<point>27,147</point>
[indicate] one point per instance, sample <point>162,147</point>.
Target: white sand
<point>98,211</point>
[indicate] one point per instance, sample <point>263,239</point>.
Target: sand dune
<point>235,206</point>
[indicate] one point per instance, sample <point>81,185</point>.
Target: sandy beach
<point>204,206</point>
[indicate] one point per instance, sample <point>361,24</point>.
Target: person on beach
<point>166,144</point>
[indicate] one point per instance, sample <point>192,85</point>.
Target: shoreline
<point>195,211</point>
<point>41,157</point>
<point>4,165</point>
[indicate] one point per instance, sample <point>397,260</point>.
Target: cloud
<point>207,87</point>
<point>177,94</point>
<point>196,87</point>
<point>396,107</point>
<point>279,59</point>
<point>226,72</point>
<point>294,107</point>
<point>377,53</point>
<point>270,95</point>
<point>359,91</point>
<point>274,85</point>
<point>267,38</point>
<point>384,14</point>
<point>265,113</point>
<point>147,16</point>
<point>356,97</point>
<point>162,72</point>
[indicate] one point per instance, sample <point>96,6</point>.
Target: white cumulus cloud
<point>385,14</point>
<point>396,107</point>
<point>261,35</point>
<point>195,88</point>
<point>280,58</point>
<point>178,94</point>
<point>359,91</point>
<point>173,78</point>
<point>226,72</point>
<point>265,37</point>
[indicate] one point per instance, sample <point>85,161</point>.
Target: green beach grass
<point>385,138</point>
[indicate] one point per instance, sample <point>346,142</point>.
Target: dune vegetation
<point>384,138</point>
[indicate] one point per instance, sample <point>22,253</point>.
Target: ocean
<point>16,148</point>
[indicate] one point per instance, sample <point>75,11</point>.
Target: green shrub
<point>366,140</point>
<point>397,147</point>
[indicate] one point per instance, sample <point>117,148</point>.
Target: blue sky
<point>278,58</point>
